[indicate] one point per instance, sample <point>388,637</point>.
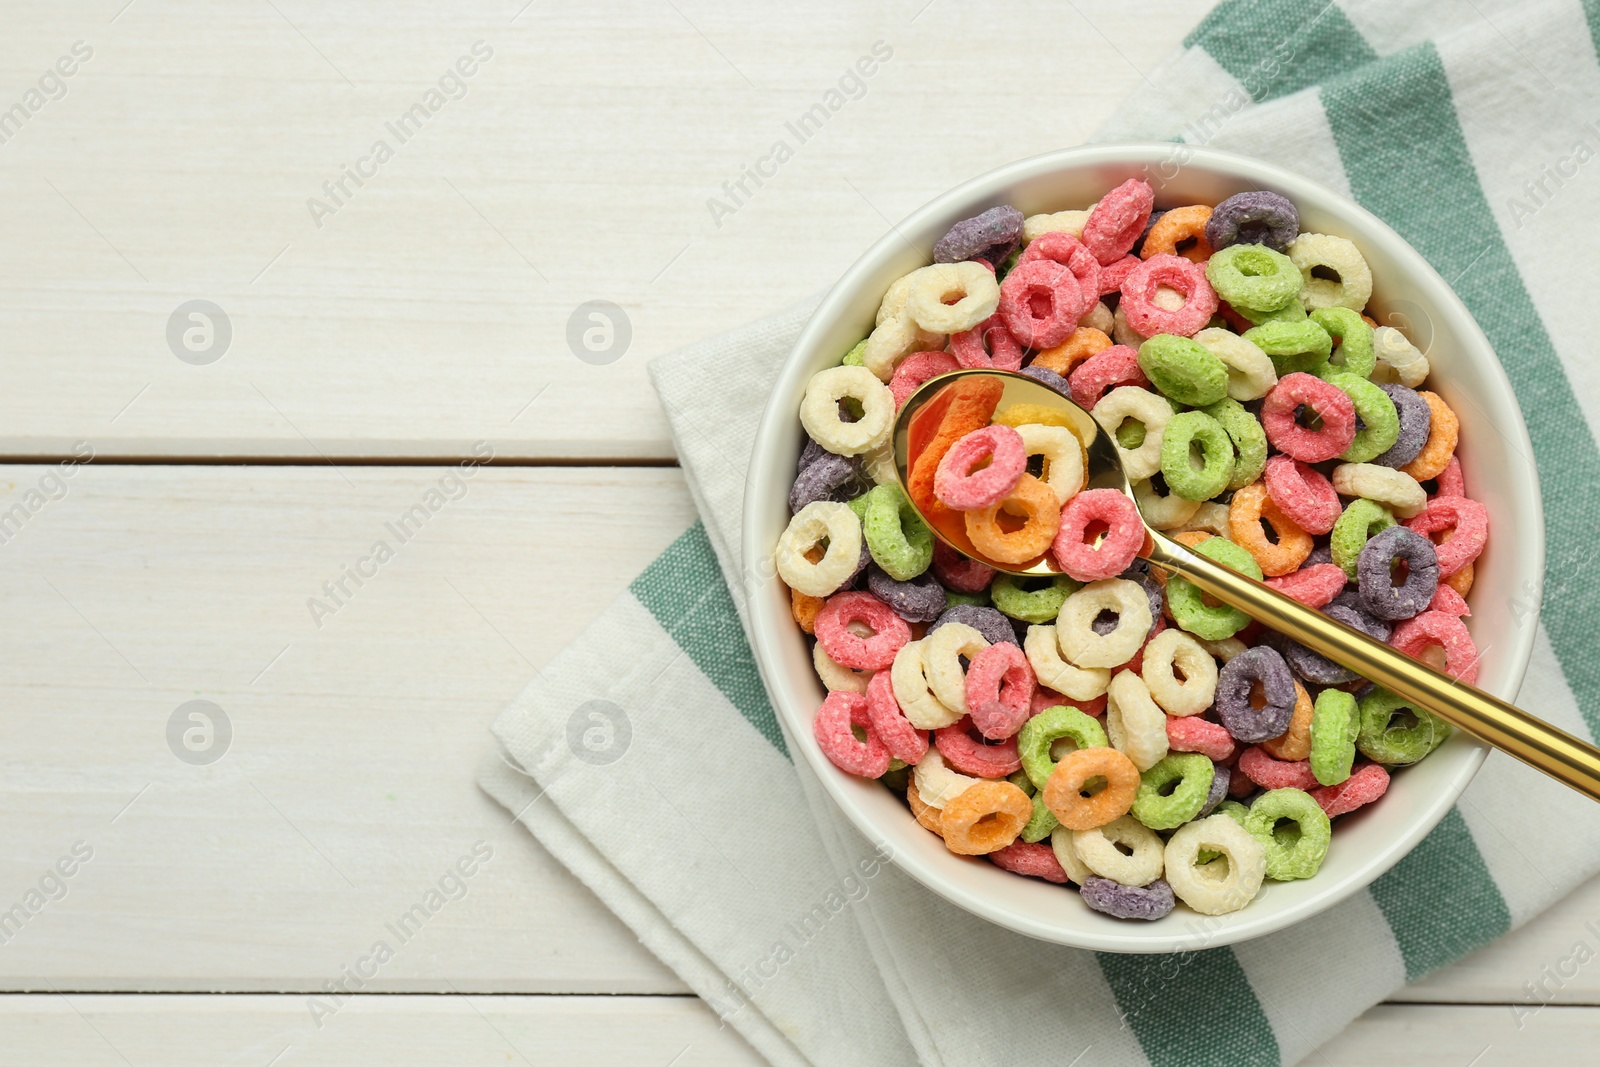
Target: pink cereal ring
<point>1369,782</point>
<point>1112,275</point>
<point>971,756</point>
<point>1437,629</point>
<point>1036,860</point>
<point>1449,601</point>
<point>1067,250</point>
<point>849,649</point>
<point>1104,371</point>
<point>1314,586</point>
<point>904,741</point>
<point>1117,221</point>
<point>1269,773</point>
<point>1048,698</point>
<point>838,742</point>
<point>1468,524</point>
<point>1303,493</point>
<point>958,573</point>
<point>1000,686</point>
<point>1085,514</point>
<point>1332,404</point>
<point>917,368</point>
<point>1450,480</point>
<point>1193,733</point>
<point>1146,317</point>
<point>1041,302</point>
<point>988,344</point>
<point>962,484</point>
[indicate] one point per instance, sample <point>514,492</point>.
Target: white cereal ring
<point>1168,512</point>
<point>894,299</point>
<point>1135,725</point>
<point>1335,255</point>
<point>819,520</point>
<point>1229,881</point>
<point>941,659</point>
<point>1043,650</point>
<point>1225,649</point>
<point>1122,333</point>
<point>879,463</point>
<point>1099,318</point>
<point>1394,489</point>
<point>1250,371</point>
<point>1131,402</point>
<point>1075,624</point>
<point>894,339</point>
<point>937,784</point>
<point>952,297</point>
<point>1172,648</point>
<point>1063,456</point>
<point>838,679</point>
<point>917,702</point>
<point>1209,518</point>
<point>819,411</point>
<point>1035,226</point>
<point>1067,855</point>
<point>1098,850</point>
<point>1398,359</point>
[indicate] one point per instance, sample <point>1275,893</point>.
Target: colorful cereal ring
<point>916,369</point>
<point>1207,621</point>
<point>988,344</point>
<point>1292,345</point>
<point>1033,860</point>
<point>1190,429</point>
<point>1111,368</point>
<point>1195,734</point>
<point>1033,501</point>
<point>1118,220</point>
<point>1080,344</point>
<point>1187,279</point>
<point>1256,216</point>
<point>1268,773</point>
<point>832,729</point>
<point>1368,783</point>
<point>1124,850</point>
<point>1040,734</point>
<point>1253,277</point>
<point>1376,567</point>
<point>1067,799</point>
<point>1250,370</point>
<point>820,413</point>
<point>821,520</point>
<point>1162,806</point>
<point>1351,284</point>
<point>1362,519</point>
<point>1439,629</point>
<point>948,298</point>
<point>1379,423</point>
<point>1416,423</point>
<point>985,818</point>
<point>1040,303</point>
<point>900,542</point>
<point>1290,856</point>
<point>1089,510</point>
<point>1444,430</point>
<point>958,572</point>
<point>1224,883</point>
<point>904,741</point>
<point>873,653</point>
<point>997,228</point>
<point>1168,654</point>
<point>1067,250</point>
<point>1086,645</point>
<point>1314,585</point>
<point>1395,732</point>
<point>970,755</point>
<point>1110,897</point>
<point>1335,723</point>
<point>1248,437</point>
<point>1183,369</point>
<point>1013,597</point>
<point>1175,227</point>
<point>1329,403</point>
<point>1467,523</point>
<point>1000,688</point>
<point>1135,723</point>
<point>1281,554</point>
<point>1259,668</point>
<point>981,469</point>
<point>1303,493</point>
<point>1352,351</point>
<point>921,599</point>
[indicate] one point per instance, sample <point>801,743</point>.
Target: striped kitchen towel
<point>647,758</point>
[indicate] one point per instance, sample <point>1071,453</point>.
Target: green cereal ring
<point>1396,732</point>
<point>1188,774</point>
<point>1253,277</point>
<point>1038,606</point>
<point>1041,822</point>
<point>1355,353</point>
<point>1187,429</point>
<point>1362,519</point>
<point>853,358</point>
<point>977,600</point>
<point>1296,850</point>
<point>1183,369</point>
<point>1233,810</point>
<point>1335,722</point>
<point>1380,421</point>
<point>1249,440</point>
<point>1192,613</point>
<point>1048,727</point>
<point>900,542</point>
<point>1292,345</point>
<point>1293,311</point>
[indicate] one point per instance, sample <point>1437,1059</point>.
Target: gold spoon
<point>1490,719</point>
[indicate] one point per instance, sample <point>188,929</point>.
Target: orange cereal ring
<point>1080,344</point>
<point>1248,509</point>
<point>928,817</point>
<point>1179,224</point>
<point>1294,744</point>
<point>1064,791</point>
<point>985,817</point>
<point>1032,501</point>
<point>1443,431</point>
<point>964,406</point>
<point>805,609</point>
<point>1461,580</point>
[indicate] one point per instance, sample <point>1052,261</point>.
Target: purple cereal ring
<point>1221,775</point>
<point>919,600</point>
<point>996,231</point>
<point>810,454</point>
<point>830,477</point>
<point>1046,376</point>
<point>1317,668</point>
<point>994,626</point>
<point>1257,217</point>
<point>1235,681</point>
<point>1127,901</point>
<point>1416,422</point>
<point>1375,566</point>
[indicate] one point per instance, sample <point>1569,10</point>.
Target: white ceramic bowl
<point>1494,451</point>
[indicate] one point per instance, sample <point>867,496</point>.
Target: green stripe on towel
<point>1276,47</point>
<point>684,590</point>
<point>1191,1009</point>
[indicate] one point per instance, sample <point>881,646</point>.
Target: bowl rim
<point>778,420</point>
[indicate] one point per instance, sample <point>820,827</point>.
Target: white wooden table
<point>373,340</point>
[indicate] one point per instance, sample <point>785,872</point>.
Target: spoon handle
<point>1530,739</point>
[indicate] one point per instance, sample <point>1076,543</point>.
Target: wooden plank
<point>431,309</point>
<point>348,790</point>
<point>43,1030</point>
